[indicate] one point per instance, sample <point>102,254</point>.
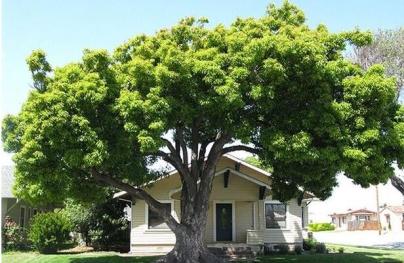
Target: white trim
<point>242,175</point>
<point>286,219</point>
<point>254,215</point>
<point>146,216</point>
<point>233,158</point>
<point>25,212</point>
<point>233,209</point>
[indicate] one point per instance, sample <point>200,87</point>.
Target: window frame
<point>276,202</point>
<point>173,213</point>
<point>22,217</point>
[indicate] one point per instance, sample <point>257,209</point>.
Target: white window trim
<point>25,212</point>
<point>233,210</point>
<point>146,216</point>
<point>287,215</point>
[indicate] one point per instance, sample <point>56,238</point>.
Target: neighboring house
<point>241,210</point>
<point>16,209</point>
<point>361,219</point>
<point>392,218</point>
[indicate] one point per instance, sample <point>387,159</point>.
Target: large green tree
<point>187,95</point>
<point>387,48</point>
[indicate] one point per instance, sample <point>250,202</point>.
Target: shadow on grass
<point>356,257</point>
<point>113,259</point>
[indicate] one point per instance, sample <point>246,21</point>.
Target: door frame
<point>233,218</point>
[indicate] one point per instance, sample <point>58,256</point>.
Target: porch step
<point>233,253</point>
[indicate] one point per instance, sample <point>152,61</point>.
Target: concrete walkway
<point>368,238</point>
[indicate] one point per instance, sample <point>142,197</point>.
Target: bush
<point>321,248</point>
<point>109,229</point>
<point>316,227</point>
<point>298,250</point>
<point>282,249</point>
<point>102,226</point>
<point>341,250</point>
<point>309,244</point>
<point>49,231</point>
<point>14,237</point>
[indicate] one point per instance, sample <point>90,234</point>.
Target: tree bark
<point>190,247</point>
<point>398,183</point>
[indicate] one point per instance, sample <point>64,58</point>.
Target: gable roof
<point>399,209</point>
<point>7,180</point>
<point>228,156</point>
<point>355,212</point>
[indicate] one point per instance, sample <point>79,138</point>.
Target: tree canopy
<point>282,89</point>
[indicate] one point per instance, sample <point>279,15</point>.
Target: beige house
<point>354,219</point>
<point>392,218</point>
<point>241,211</point>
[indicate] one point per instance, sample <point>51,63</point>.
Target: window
<point>344,220</point>
<point>275,215</point>
<point>154,221</point>
<point>34,212</point>
<point>22,216</point>
<point>29,214</point>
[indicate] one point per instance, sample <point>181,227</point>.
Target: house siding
<point>249,212</point>
<point>291,234</point>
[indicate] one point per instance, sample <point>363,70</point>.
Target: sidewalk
<point>362,238</point>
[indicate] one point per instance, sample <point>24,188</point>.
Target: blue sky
<point>64,28</point>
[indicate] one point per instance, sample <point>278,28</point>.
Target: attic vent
<point>237,167</point>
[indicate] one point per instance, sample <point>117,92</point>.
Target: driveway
<point>368,238</point>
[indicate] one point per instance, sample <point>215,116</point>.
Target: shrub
<point>321,248</point>
<point>309,244</point>
<point>14,237</point>
<point>80,217</point>
<point>316,227</point>
<point>282,249</point>
<point>298,250</point>
<point>109,229</point>
<point>341,250</point>
<point>49,231</point>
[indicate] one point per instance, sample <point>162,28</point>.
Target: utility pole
<point>378,211</point>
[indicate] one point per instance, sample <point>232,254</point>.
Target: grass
<point>350,255</point>
<point>89,257</point>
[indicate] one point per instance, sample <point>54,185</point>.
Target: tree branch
<point>139,193</point>
<point>240,148</point>
<point>179,133</point>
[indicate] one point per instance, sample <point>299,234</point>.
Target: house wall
<point>11,208</point>
<point>249,213</point>
<point>395,221</point>
<point>292,234</point>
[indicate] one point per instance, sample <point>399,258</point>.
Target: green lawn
<point>351,255</point>
<point>89,257</point>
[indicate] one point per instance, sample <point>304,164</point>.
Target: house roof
<point>174,171</point>
<point>7,180</point>
<point>362,211</point>
<point>399,209</point>
<point>229,156</point>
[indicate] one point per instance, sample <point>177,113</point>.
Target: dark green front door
<point>224,224</point>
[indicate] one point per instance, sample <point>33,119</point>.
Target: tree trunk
<point>190,247</point>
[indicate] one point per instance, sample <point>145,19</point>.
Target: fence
<point>362,225</point>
